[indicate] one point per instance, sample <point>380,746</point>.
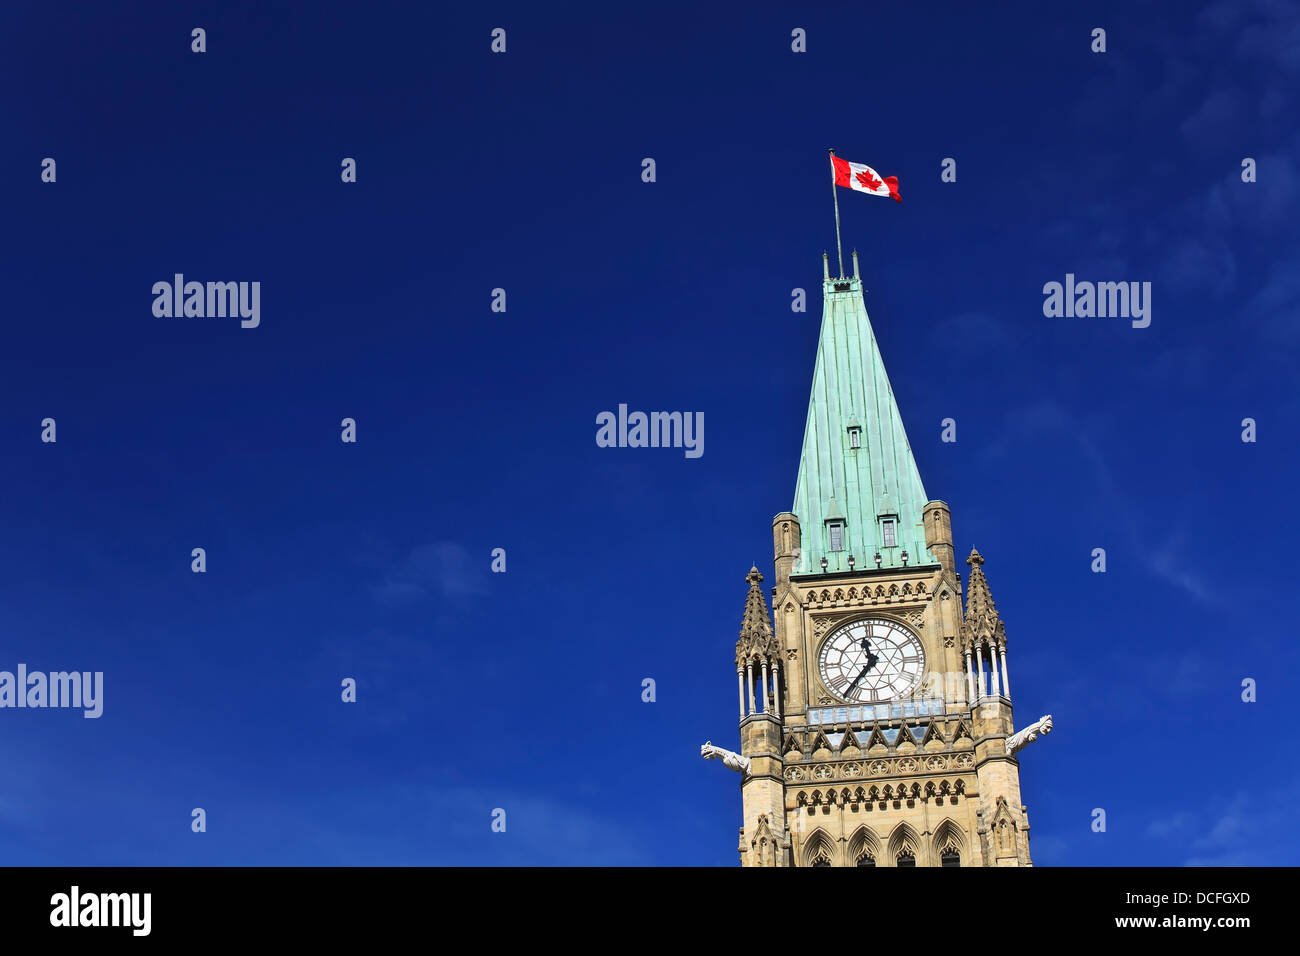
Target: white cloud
<point>443,568</point>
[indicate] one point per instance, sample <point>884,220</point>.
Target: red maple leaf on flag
<point>868,180</point>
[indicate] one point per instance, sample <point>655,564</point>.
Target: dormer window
<point>834,523</point>
<point>889,532</point>
<point>855,436</point>
<point>835,529</point>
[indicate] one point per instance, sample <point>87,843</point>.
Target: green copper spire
<point>857,480</point>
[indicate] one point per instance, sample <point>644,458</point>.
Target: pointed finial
<point>756,633</point>
<point>982,620</point>
<point>856,273</point>
<point>826,265</point>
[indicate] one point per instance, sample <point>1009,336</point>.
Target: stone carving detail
<point>916,617</point>
<point>1004,827</point>
<point>935,763</point>
<point>854,598</point>
<point>1043,725</point>
<point>907,765</point>
<point>757,639</point>
<point>791,653</point>
<point>964,760</point>
<point>794,773</point>
<point>983,626</point>
<point>764,844</point>
<point>851,770</point>
<point>878,767</point>
<point>821,772</point>
<point>730,759</point>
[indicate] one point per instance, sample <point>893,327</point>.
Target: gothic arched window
<point>906,859</point>
<point>819,853</point>
<point>866,860</point>
<point>950,858</point>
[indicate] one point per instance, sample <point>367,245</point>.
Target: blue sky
<point>476,429</point>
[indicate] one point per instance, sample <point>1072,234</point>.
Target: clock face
<point>872,660</point>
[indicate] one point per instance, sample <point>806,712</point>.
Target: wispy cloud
<point>444,568</point>
<point>1251,828</point>
<point>1171,826</point>
<point>452,826</point>
<point>1023,424</point>
<point>1169,562</point>
<point>1166,554</point>
<point>1184,366</point>
<point>1276,306</point>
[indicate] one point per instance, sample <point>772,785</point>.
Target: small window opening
<point>837,536</point>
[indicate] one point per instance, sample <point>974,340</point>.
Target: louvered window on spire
<point>836,529</point>
<point>855,436</point>
<point>888,532</point>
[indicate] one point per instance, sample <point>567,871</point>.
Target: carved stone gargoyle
<point>730,759</point>
<point>1043,725</point>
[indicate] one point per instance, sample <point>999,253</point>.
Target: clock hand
<point>861,674</point>
<point>871,662</point>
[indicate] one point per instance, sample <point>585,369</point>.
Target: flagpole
<point>835,196</point>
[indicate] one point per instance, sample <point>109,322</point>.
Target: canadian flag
<point>864,179</point>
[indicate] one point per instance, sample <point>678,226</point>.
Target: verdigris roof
<point>857,485</point>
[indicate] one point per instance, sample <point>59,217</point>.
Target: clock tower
<point>875,713</point>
